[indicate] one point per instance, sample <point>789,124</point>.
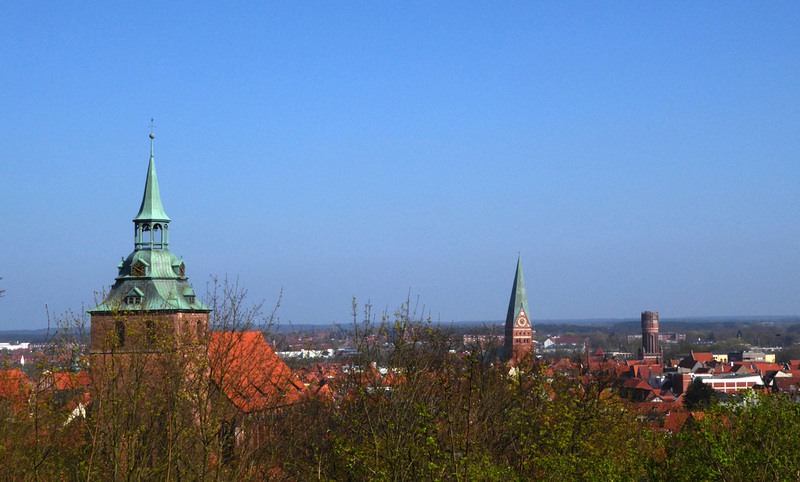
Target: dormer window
<point>134,297</point>
<point>188,295</point>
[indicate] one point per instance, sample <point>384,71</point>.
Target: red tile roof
<point>249,373</point>
<point>787,384</point>
<point>764,368</point>
<point>674,421</point>
<point>704,357</point>
<point>72,381</point>
<point>14,386</point>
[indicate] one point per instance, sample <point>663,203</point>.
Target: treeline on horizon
<point>428,415</point>
<point>632,326</point>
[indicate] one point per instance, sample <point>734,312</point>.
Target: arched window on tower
<point>158,236</point>
<point>120,329</point>
<point>150,328</point>
<point>145,229</point>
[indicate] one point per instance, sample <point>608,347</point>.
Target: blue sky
<point>640,156</point>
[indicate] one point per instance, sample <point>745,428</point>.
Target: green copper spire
<point>151,220</point>
<point>151,209</point>
<point>151,278</point>
<point>519,300</point>
<point>518,330</point>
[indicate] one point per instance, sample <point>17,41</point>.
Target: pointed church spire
<point>151,217</point>
<point>519,299</point>
<point>518,329</point>
<point>151,209</point>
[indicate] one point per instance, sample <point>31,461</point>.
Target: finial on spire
<point>152,136</point>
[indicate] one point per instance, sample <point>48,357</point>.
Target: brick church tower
<point>518,332</point>
<point>151,307</point>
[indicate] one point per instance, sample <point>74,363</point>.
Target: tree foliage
<point>410,408</point>
<point>698,396</point>
<point>754,441</point>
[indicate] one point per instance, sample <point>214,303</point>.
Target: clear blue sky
<point>640,156</point>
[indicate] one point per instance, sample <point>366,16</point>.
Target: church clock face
<point>522,320</point>
<point>138,269</point>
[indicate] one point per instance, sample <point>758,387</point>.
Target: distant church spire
<point>518,332</point>
<point>152,223</point>
<point>519,299</point>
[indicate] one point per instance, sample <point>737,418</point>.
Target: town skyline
<point>638,159</point>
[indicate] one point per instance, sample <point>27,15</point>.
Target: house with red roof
<point>15,389</point>
<point>249,374</point>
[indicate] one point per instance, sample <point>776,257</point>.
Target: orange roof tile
<point>249,373</point>
<point>15,386</point>
<point>703,357</point>
<point>674,421</point>
<point>71,381</point>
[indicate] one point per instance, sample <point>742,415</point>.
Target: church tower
<point>151,301</point>
<point>518,332</point>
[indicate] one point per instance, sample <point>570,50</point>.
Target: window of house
<point>133,300</point>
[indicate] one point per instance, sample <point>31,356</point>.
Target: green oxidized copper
<point>519,299</point>
<point>151,278</point>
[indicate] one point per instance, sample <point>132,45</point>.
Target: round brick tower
<point>650,333</point>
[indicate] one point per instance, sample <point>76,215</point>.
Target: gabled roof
<point>740,367</point>
<point>674,421</point>
<point>787,384</point>
<point>690,364</point>
<point>249,373</point>
<point>638,384</point>
<point>703,357</point>
<point>764,368</point>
